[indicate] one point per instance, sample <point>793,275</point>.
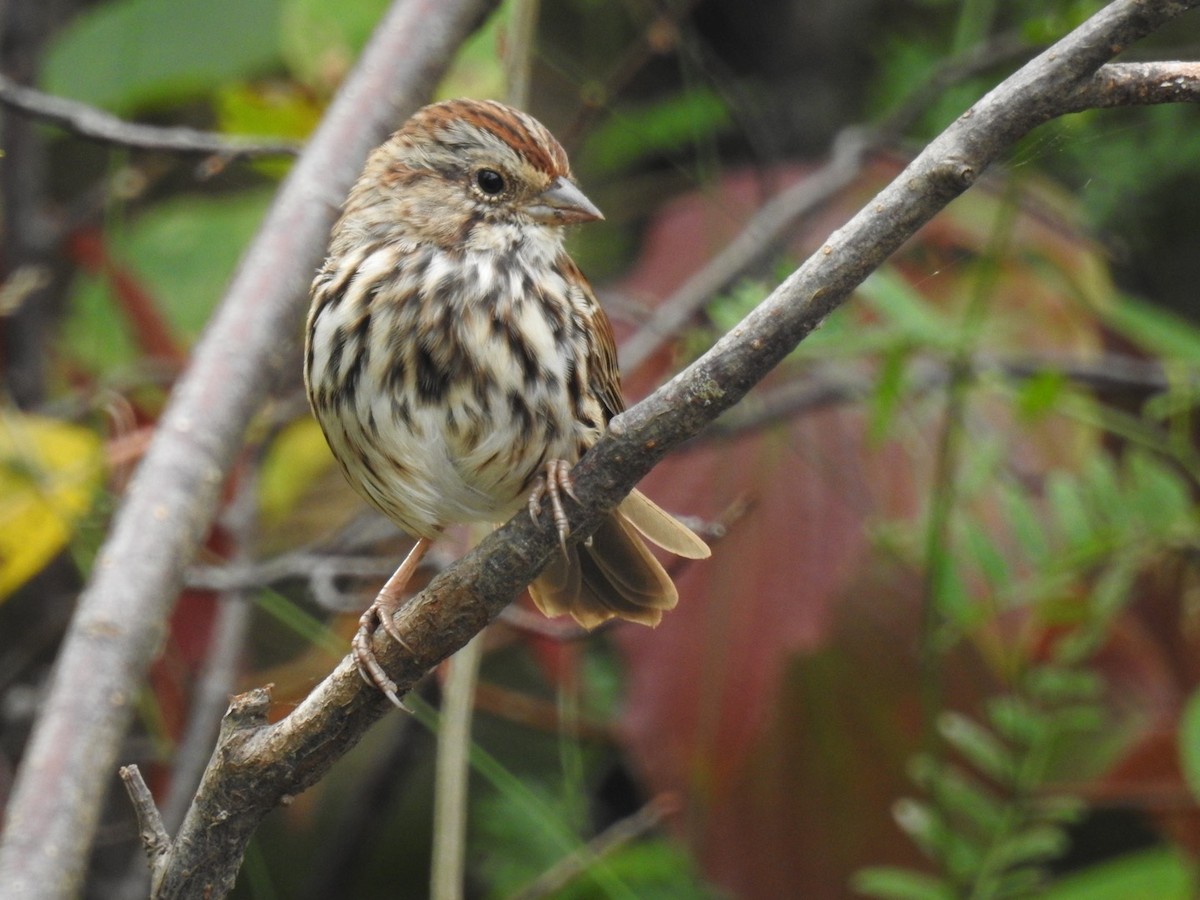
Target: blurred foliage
<point>133,54</point>
<point>183,251</point>
<point>1128,166</point>
<point>50,474</point>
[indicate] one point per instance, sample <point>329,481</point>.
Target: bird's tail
<point>615,575</point>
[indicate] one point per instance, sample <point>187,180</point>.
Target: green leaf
<point>890,883</point>
<point>1189,743</point>
<point>1104,489</point>
<point>1038,843</point>
<point>673,124</point>
<point>981,545</point>
<point>1070,510</point>
<point>979,746</point>
<point>889,391</point>
<point>1160,496</point>
<point>907,311</point>
<point>1017,721</point>
<point>954,599</point>
<point>1025,522</point>
<point>1160,873</point>
<point>1059,684</point>
<point>275,110</point>
<point>1022,883</point>
<point>129,54</point>
<point>1157,330</point>
<point>959,794</point>
<point>1062,810</point>
<point>183,252</point>
<point>320,41</point>
<point>1039,395</point>
<point>1111,591</point>
<point>936,837</point>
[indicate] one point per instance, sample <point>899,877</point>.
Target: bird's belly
<point>427,466</point>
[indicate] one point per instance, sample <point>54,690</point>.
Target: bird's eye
<point>490,181</point>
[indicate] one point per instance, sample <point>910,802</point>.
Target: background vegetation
<point>946,645</point>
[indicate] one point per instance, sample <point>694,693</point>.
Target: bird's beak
<point>562,204</point>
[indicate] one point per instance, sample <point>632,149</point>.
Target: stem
<point>451,773</point>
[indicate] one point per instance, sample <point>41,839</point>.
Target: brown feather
<point>615,576</point>
<point>661,528</point>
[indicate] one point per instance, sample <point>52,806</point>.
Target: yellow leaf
<point>49,474</point>
<point>296,458</point>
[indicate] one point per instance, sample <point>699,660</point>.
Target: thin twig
<point>98,125</point>
<point>303,564</point>
<point>155,840</point>
<point>218,678</point>
<point>451,771</point>
<point>829,385</point>
<point>602,845</point>
<point>1139,84</point>
<point>519,52</point>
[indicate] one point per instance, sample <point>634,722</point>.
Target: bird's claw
<point>364,653</point>
<point>553,483</point>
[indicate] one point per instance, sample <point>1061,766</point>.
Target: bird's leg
<point>382,612</point>
<point>553,483</point>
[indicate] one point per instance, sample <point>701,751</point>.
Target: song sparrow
<point>459,363</point>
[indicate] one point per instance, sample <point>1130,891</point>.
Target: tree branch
<point>1140,84</point>
<point>98,125</point>
<point>119,623</point>
<point>257,765</point>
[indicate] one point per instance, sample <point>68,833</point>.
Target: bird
<point>459,362</point>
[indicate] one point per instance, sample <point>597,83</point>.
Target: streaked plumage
<point>455,351</point>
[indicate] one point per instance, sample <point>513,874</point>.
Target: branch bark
<point>98,125</point>
<point>68,763</point>
<point>257,766</point>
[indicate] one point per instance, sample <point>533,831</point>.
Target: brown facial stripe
<point>517,130</point>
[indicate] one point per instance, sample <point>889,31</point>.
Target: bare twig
<point>120,618</point>
<point>604,844</point>
<point>218,678</point>
<point>451,773</point>
<point>830,385</point>
<point>306,564</point>
<point>154,835</point>
<point>1139,84</point>
<point>519,53</point>
<point>98,125</point>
